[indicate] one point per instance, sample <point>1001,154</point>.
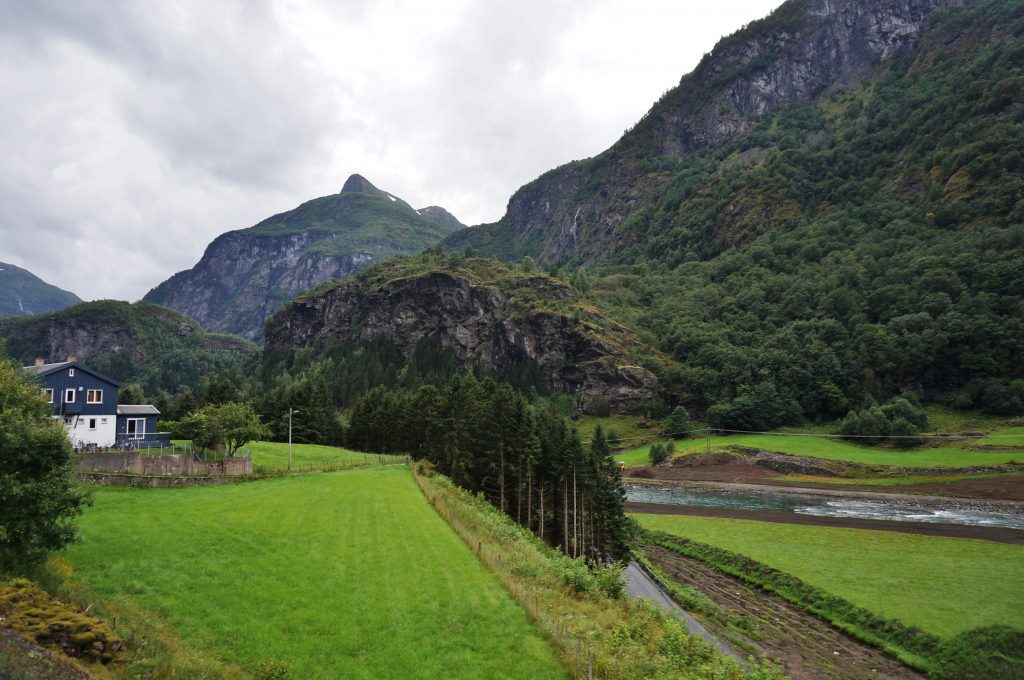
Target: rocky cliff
<point>488,315</point>
<point>139,342</point>
<point>22,293</point>
<point>802,52</point>
<point>245,276</point>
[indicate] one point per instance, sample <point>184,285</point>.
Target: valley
<point>766,349</point>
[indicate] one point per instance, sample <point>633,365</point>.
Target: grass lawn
<point>344,575</point>
<point>952,455</point>
<point>942,585</point>
<point>274,455</point>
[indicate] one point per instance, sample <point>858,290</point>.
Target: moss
<point>57,625</point>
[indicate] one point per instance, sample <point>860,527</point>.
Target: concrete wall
<point>165,465</point>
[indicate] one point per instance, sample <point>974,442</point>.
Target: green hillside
<point>22,293</point>
<point>133,343</point>
<point>246,275</point>
<point>841,251</point>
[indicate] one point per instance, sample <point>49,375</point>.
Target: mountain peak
<point>357,184</point>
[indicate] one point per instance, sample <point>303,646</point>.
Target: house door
<point>136,428</point>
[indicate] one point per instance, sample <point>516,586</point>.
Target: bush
<point>677,423</point>
<point>658,454</point>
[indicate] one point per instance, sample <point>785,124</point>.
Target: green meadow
<point>949,455</point>
<point>274,456</point>
<point>944,586</point>
<point>339,575</point>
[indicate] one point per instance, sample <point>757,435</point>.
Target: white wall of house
<point>80,430</point>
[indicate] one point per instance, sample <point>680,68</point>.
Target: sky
<point>133,132</point>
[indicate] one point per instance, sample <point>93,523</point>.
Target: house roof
<point>137,410</point>
<point>47,369</point>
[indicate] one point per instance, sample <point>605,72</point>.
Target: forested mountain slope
<point>133,343</point>
<point>23,293</point>
<point>245,276</point>
<point>859,238</point>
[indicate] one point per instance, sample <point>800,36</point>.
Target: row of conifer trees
<point>528,460</point>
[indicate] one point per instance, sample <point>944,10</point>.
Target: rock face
<point>129,342</point>
<point>481,324</point>
<point>805,50</point>
<point>22,293</point>
<point>245,276</point>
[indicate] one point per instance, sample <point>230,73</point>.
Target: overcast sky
<point>132,133</point>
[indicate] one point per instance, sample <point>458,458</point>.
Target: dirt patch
<point>738,470</point>
<point>725,467</point>
<point>700,459</point>
<point>997,534</point>
<point>807,647</point>
<point>24,660</point>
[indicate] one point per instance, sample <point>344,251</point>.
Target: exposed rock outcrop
<point>483,324</point>
<point>245,276</point>
<point>805,50</point>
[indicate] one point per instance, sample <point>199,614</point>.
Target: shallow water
<point>822,506</point>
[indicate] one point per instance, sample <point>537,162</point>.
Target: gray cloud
<point>135,132</point>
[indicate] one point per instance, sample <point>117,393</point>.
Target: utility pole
<point>290,412</point>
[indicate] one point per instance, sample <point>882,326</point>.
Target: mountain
<point>827,212</point>
<point>805,51</point>
<point>487,315</point>
<point>23,293</point>
<point>132,343</point>
<point>245,276</point>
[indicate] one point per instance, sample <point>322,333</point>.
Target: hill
<point>826,212</point>
<point>22,293</point>
<point>132,343</point>
<point>481,313</point>
<point>245,276</point>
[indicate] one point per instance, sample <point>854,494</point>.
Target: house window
<point>92,423</point>
<point>94,397</point>
<point>103,421</point>
<point>48,393</point>
<point>69,395</point>
<point>71,373</point>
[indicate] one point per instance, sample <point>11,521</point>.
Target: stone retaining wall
<point>180,464</point>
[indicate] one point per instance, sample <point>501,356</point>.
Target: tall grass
<point>601,633</point>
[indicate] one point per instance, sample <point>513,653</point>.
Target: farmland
<point>944,586</point>
<point>345,574</point>
<point>946,455</point>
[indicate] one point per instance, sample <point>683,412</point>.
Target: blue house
<point>86,403</point>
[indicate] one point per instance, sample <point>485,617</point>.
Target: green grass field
<point>953,455</point>
<point>942,585</point>
<point>343,575</point>
<point>274,455</point>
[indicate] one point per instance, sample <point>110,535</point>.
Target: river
<point>827,506</point>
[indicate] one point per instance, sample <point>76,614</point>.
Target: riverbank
<point>997,534</point>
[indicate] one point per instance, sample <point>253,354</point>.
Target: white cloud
<point>134,133</point>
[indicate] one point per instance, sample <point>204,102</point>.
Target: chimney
<point>72,357</point>
<point>40,362</point>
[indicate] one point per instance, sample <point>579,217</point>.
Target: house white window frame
<point>69,392</point>
<point>71,373</point>
<point>92,423</point>
<point>48,393</point>
<point>90,400</point>
<point>140,428</point>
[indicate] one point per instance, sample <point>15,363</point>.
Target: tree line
<point>528,460</point>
